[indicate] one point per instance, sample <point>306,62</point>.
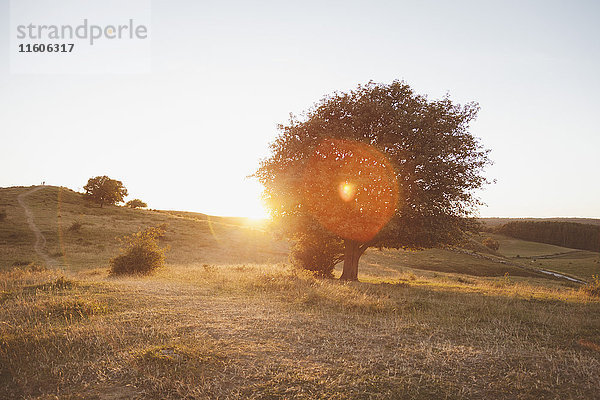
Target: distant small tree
<point>104,190</point>
<point>140,253</point>
<point>136,203</point>
<point>491,243</point>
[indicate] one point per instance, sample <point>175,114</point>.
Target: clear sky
<point>224,74</point>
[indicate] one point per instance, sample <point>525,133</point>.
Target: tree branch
<point>363,247</point>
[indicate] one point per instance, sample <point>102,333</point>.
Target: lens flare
<point>346,191</point>
<point>350,188</point>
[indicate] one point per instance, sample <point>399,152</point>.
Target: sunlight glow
<point>366,185</point>
<point>242,199</point>
<point>347,191</point>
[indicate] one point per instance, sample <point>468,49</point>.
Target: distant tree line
<point>565,234</point>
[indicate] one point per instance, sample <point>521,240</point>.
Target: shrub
<point>140,253</point>
<point>28,266</point>
<point>592,288</point>
<point>318,253</point>
<point>136,203</point>
<point>20,263</point>
<point>75,226</point>
<point>491,243</point>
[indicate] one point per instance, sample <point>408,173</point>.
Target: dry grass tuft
<point>592,288</point>
<point>589,345</point>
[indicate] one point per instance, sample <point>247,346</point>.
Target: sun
<point>347,191</point>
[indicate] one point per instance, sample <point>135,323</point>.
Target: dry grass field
<point>228,318</point>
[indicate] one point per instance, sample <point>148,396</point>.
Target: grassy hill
<point>80,235</point>
<point>228,318</point>
<point>577,263</point>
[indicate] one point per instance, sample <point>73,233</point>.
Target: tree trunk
<point>352,252</point>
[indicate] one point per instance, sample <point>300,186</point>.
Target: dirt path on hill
<point>40,240</point>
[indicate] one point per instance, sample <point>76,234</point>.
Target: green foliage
<point>104,190</point>
<point>491,243</point>
<point>140,253</point>
<point>565,234</point>
<point>136,203</point>
<point>317,251</point>
<point>592,288</point>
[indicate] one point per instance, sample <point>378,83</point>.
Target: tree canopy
<point>104,190</point>
<point>377,166</point>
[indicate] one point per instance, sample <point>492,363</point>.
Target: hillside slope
<point>81,235</point>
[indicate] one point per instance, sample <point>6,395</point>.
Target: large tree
<point>104,190</point>
<point>377,166</point>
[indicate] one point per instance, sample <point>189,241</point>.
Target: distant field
<point>511,247</point>
<point>577,263</point>
<point>441,260</point>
